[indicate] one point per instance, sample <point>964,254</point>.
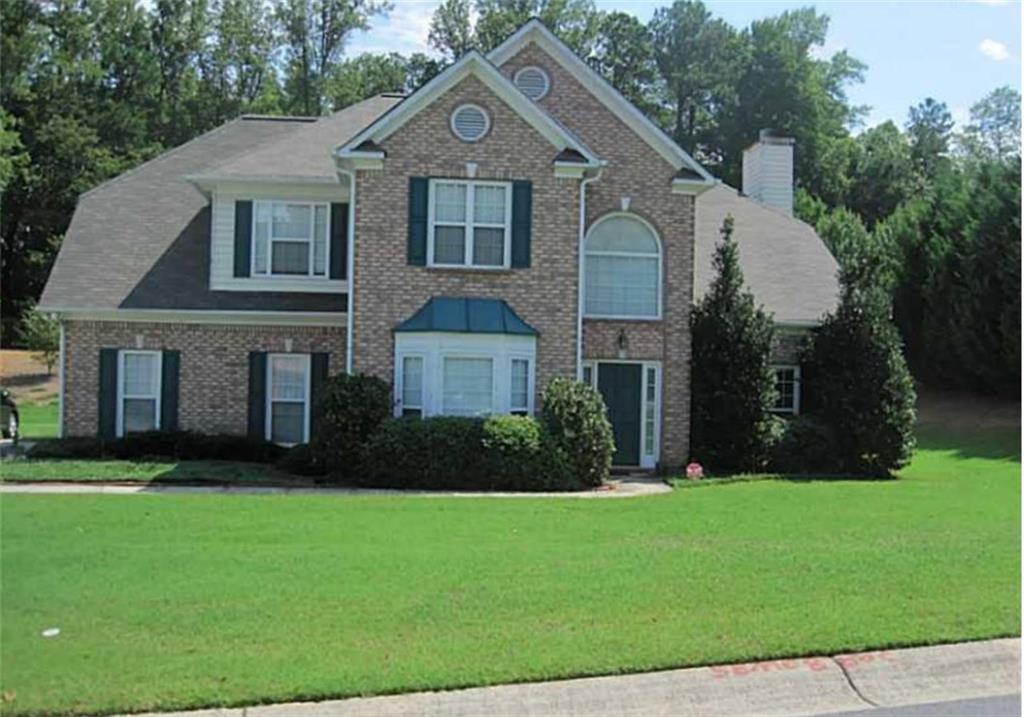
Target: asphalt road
<point>1002,706</point>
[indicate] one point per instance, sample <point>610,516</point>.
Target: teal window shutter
<point>257,395</point>
<point>522,201</point>
<point>108,394</point>
<point>339,247</point>
<point>417,241</point>
<point>243,238</point>
<point>318,366</point>
<point>171,365</point>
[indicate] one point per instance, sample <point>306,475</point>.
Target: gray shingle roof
<point>142,240</point>
<point>784,262</point>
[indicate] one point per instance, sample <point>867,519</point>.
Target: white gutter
<point>579,269</point>
<point>60,384</point>
<point>350,268</point>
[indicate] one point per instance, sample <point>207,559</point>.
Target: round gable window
<point>532,82</point>
<point>470,123</point>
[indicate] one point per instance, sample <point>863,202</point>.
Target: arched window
<point>622,269</point>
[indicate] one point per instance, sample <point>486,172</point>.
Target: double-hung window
<point>470,224</point>
<point>467,386</point>
<point>519,387</point>
<point>138,404</point>
<point>287,413</point>
<point>787,389</point>
<point>290,239</point>
<point>411,395</point>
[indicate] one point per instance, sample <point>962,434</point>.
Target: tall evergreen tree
<point>930,126</point>
<point>451,29</point>
<point>732,386</point>
<point>624,55</point>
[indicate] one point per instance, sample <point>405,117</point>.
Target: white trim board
<point>475,64</point>
<point>535,31</point>
<point>199,316</point>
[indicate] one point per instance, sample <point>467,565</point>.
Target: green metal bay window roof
<point>467,316</point>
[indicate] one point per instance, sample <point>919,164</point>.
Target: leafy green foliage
<point>512,453</point>
<point>732,387</point>
<point>350,409</point>
<point>861,388</point>
<point>41,334</point>
<point>180,445</point>
<point>805,446</point>
<point>575,415</point>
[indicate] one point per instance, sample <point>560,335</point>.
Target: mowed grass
<point>186,601</point>
<point>85,471</point>
<point>38,420</point>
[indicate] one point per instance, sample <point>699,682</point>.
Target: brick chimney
<point>768,170</point>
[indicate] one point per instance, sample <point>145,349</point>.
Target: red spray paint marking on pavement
<point>811,664</point>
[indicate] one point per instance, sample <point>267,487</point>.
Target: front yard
<point>169,602</point>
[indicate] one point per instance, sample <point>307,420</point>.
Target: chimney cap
<point>774,136</point>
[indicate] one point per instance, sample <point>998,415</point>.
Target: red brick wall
<point>214,379</point>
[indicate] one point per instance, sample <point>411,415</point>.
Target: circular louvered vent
<point>470,123</point>
<point>532,82</point>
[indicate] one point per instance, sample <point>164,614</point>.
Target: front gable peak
<point>364,146</point>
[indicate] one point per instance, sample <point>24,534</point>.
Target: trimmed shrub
<point>732,384</point>
<point>863,390</point>
<point>301,461</point>
<point>805,446</point>
<point>349,411</point>
<point>455,453</point>
<point>575,416</point>
<point>178,445</point>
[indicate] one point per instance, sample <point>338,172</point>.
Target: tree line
<point>90,88</point>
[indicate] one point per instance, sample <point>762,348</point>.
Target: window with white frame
<point>440,373</point>
<point>290,239</point>
<point>519,387</point>
<point>470,224</point>
<point>787,389</point>
<point>412,386</point>
<point>138,405</point>
<point>650,406</point>
<point>467,386</point>
<point>622,269</point>
<point>288,398</point>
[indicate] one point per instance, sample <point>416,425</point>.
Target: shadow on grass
<point>993,443</point>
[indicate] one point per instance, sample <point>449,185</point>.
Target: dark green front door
<point>620,386</point>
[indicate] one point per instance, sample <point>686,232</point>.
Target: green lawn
<point>173,602</point>
<point>21,469</point>
<point>38,420</point>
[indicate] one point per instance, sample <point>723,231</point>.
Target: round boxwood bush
<point>575,416</point>
<point>350,409</point>
<point>806,446</point>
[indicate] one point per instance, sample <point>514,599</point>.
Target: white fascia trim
<point>608,95</point>
<point>472,63</point>
<point>694,187</point>
<point>198,316</point>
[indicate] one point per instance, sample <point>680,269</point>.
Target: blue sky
<point>953,51</point>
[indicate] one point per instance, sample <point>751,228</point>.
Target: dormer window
<point>532,82</point>
<point>290,239</point>
<point>470,123</point>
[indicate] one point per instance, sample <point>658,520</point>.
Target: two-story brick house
<point>513,220</point>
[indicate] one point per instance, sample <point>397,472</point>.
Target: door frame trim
<point>594,365</point>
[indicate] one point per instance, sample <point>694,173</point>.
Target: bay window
<point>290,239</point>
<point>469,224</point>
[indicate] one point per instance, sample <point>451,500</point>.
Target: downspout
<point>579,268</point>
<point>350,266</point>
<point>60,384</point>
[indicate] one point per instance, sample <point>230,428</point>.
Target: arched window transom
<point>622,269</point>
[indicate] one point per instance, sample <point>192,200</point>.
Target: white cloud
<point>404,30</point>
<point>994,50</point>
<point>825,51</point>
<point>961,115</point>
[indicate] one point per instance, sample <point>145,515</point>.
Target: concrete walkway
<point>860,683</point>
<point>619,487</point>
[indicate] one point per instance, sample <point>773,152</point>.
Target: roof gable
<point>475,64</point>
<point>537,33</point>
